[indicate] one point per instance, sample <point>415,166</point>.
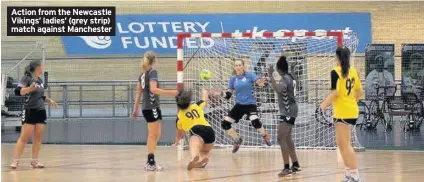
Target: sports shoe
<point>267,139</point>
<point>285,172</point>
<point>14,164</point>
<point>346,178</point>
<point>36,164</point>
<point>353,180</point>
<point>295,169</point>
<point>236,145</point>
<point>192,163</point>
<point>202,163</point>
<point>154,167</point>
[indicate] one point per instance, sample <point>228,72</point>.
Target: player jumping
<point>242,83</point>
<point>191,119</point>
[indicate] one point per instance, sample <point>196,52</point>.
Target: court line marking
<point>310,176</point>
<point>80,154</point>
<point>75,155</point>
<point>222,177</point>
<point>252,173</point>
<point>100,159</point>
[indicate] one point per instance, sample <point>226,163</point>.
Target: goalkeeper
<point>285,89</point>
<point>242,83</point>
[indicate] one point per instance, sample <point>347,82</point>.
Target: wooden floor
<point>77,163</point>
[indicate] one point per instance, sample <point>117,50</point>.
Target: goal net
<point>311,57</point>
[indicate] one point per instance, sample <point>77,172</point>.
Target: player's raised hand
<point>261,82</point>
<point>270,70</point>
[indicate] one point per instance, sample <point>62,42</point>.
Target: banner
<point>137,33</point>
<point>413,68</point>
<point>380,69</point>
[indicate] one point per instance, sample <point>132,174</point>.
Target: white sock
<point>347,172</point>
<point>262,131</point>
<point>354,173</point>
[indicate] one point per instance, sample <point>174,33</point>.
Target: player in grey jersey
<point>34,114</point>
<point>148,89</point>
<point>285,89</point>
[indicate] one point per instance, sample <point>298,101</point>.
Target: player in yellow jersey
<point>191,119</point>
<point>346,91</point>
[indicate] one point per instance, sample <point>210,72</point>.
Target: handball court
<point>108,163</point>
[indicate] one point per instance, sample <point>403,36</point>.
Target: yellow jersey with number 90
<point>192,116</point>
<point>345,105</point>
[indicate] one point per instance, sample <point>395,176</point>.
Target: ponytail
<point>145,65</point>
<point>30,68</point>
<point>343,54</point>
<point>148,59</point>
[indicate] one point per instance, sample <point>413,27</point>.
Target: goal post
<point>311,56</point>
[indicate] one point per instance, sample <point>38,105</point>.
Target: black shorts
<point>152,115</point>
<point>204,132</point>
<point>289,120</point>
<point>238,111</point>
<point>346,121</point>
<point>34,116</point>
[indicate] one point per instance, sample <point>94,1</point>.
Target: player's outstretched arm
<point>178,137</point>
<point>260,82</point>
<point>205,95</point>
<point>274,84</point>
<point>156,90</point>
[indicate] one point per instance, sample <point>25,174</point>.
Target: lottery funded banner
<point>379,70</point>
<point>413,68</point>
<point>138,33</point>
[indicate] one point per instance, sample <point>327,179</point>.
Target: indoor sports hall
<point>91,127</point>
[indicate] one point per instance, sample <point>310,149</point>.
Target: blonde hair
<point>148,59</point>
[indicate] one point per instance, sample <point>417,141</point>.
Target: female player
<point>288,112</point>
<point>34,115</point>
<point>148,87</point>
<point>242,83</point>
<point>191,119</point>
<point>346,91</point>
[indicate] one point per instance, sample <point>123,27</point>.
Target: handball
<point>205,74</point>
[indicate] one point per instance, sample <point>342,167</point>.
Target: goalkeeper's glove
<point>227,95</point>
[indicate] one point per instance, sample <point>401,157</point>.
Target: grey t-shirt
<point>35,99</point>
<point>149,100</point>
<point>286,96</point>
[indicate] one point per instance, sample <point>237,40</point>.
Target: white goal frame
<point>182,36</point>
<point>337,35</point>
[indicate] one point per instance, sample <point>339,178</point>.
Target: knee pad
<point>226,125</point>
<point>255,121</point>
